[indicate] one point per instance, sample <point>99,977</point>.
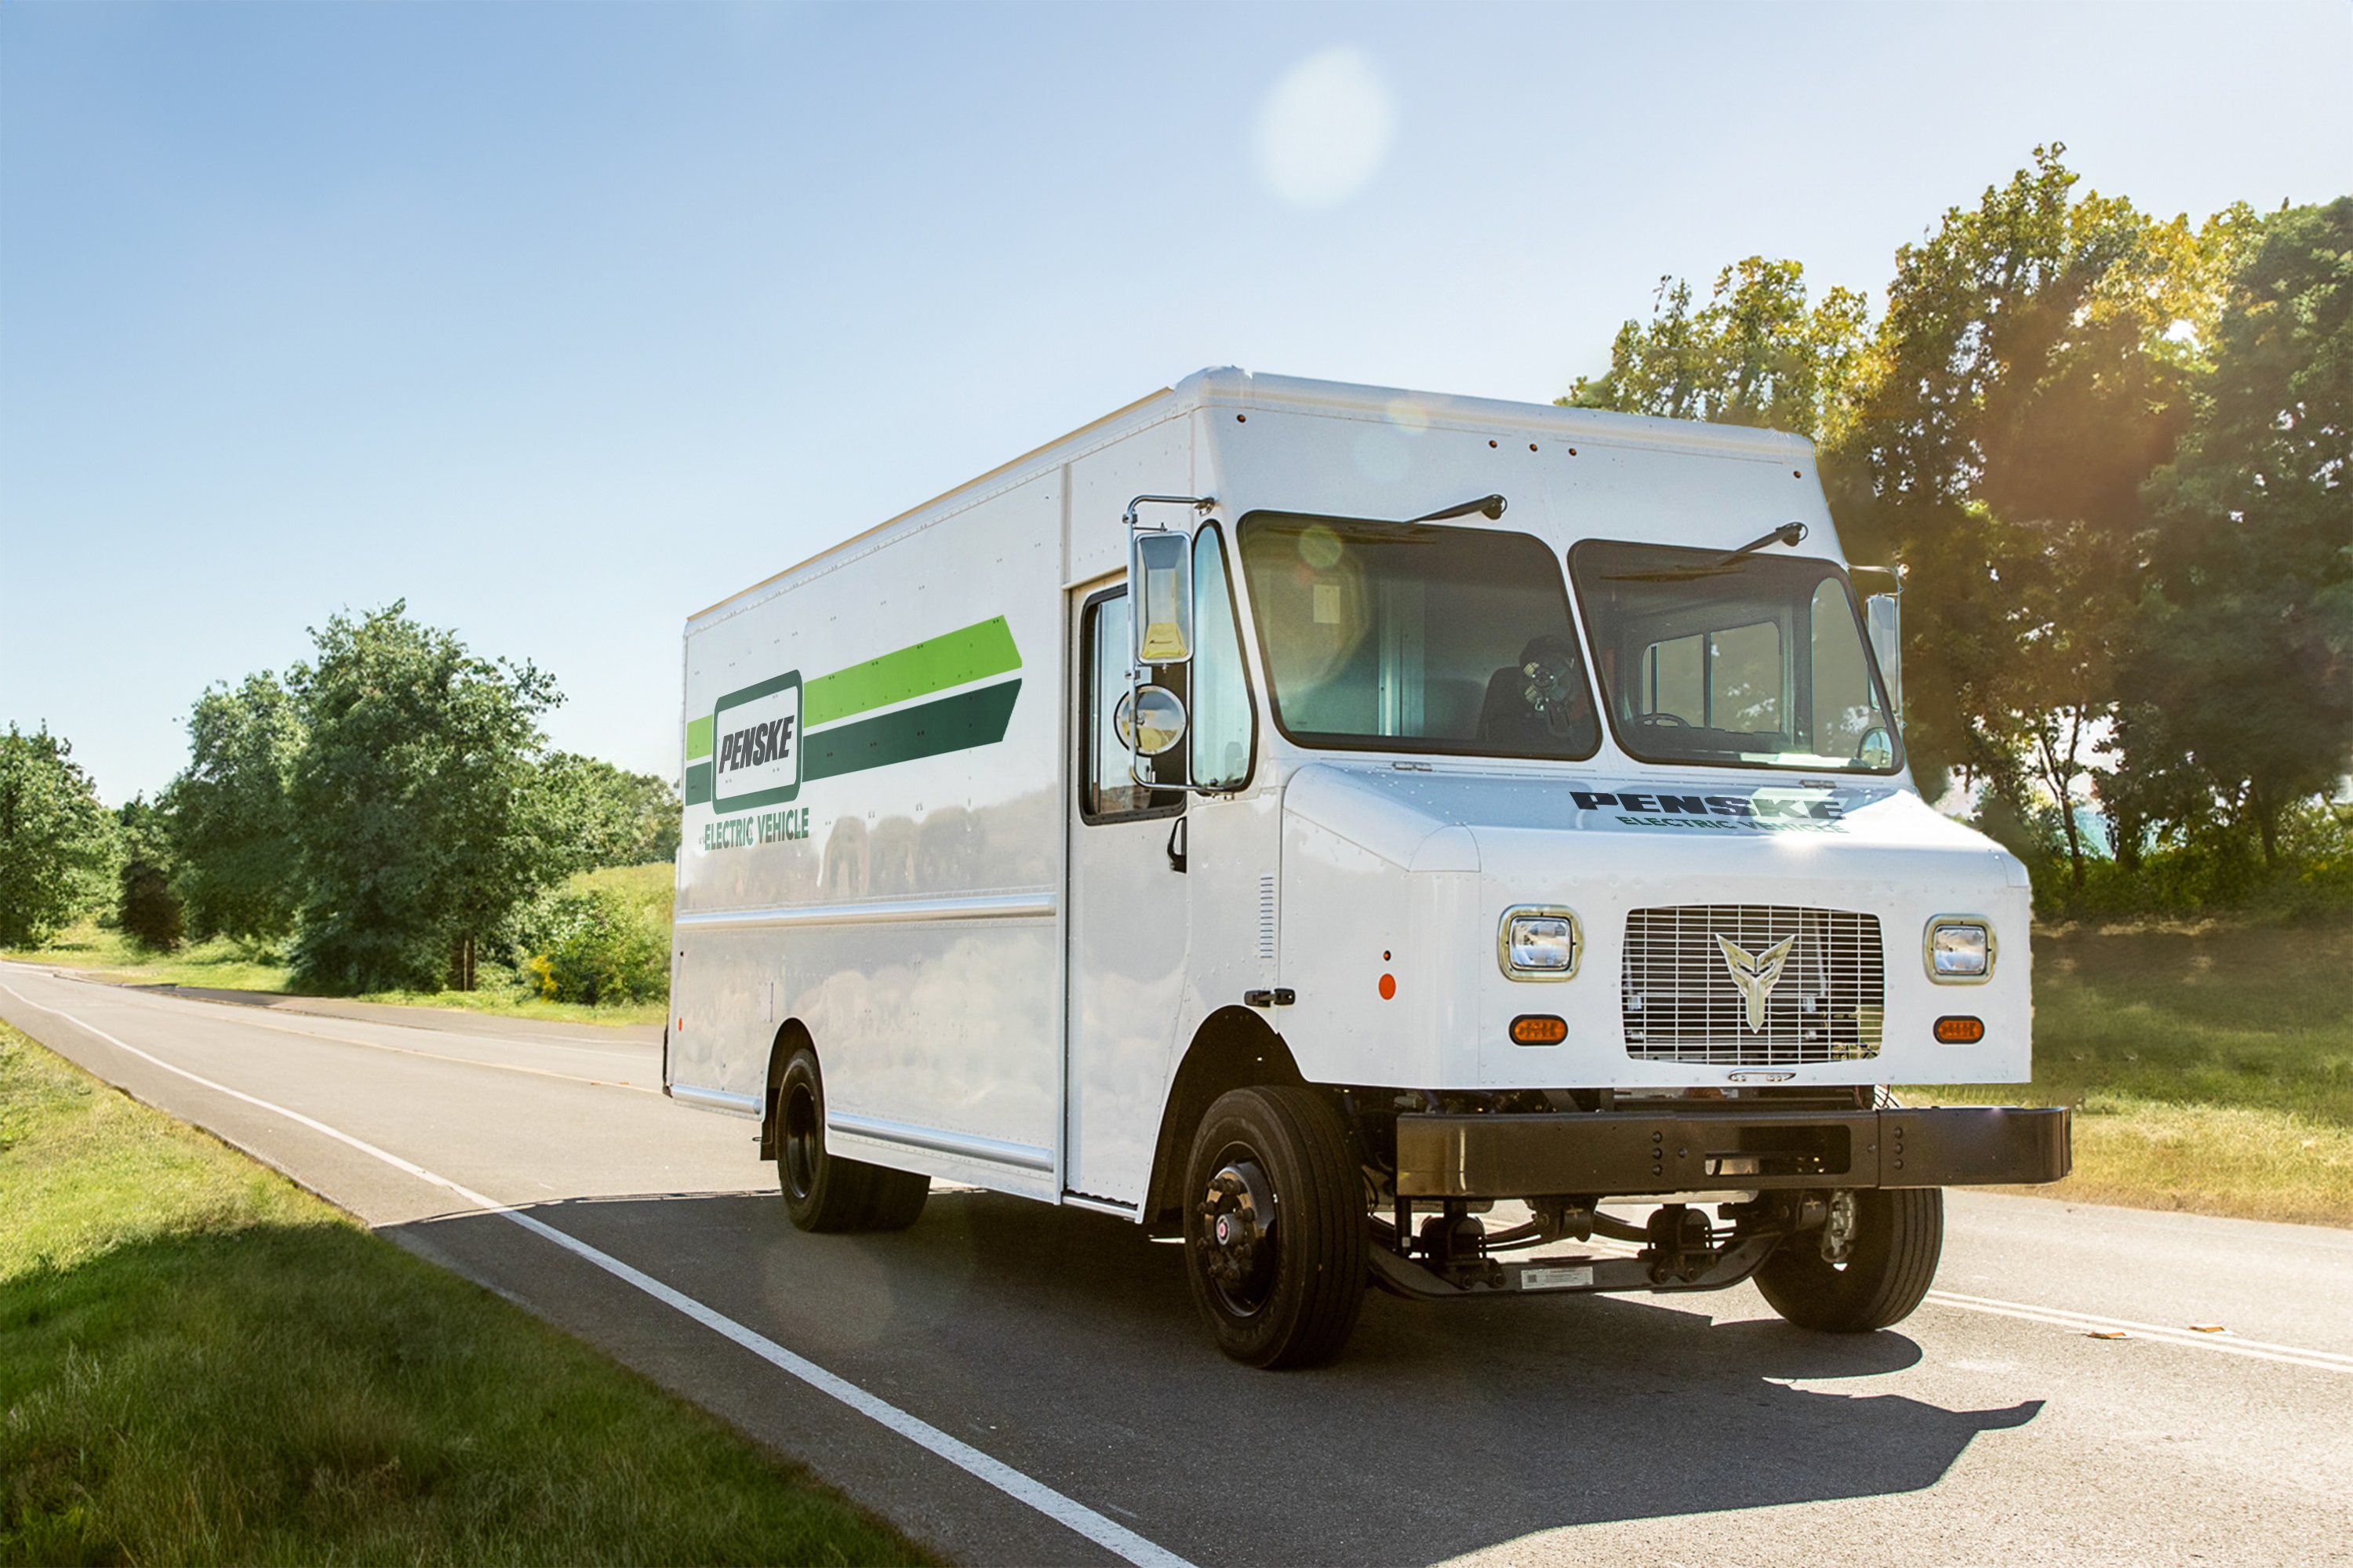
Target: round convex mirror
<point>1163,719</point>
<point>1878,748</point>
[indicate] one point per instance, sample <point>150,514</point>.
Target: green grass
<point>201,1363</point>
<point>2211,1063</point>
<point>503,1003</point>
<point>219,963</point>
<point>224,965</point>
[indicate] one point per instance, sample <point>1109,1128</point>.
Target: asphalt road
<point>1053,1357</point>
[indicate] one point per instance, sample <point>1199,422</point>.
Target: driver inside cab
<point>1541,706</point>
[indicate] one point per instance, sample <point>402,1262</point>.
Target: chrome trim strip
<point>964,1145</point>
<point>1100,1205</point>
<point>719,1099</point>
<point>985,907</point>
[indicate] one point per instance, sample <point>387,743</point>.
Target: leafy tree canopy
<point>606,816</point>
<point>232,822</point>
<point>412,797</point>
<point>2240,686</point>
<point>58,844</point>
<point>148,911</point>
<point>1756,353</point>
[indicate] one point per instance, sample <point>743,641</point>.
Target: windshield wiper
<point>1489,506</point>
<point>1787,533</point>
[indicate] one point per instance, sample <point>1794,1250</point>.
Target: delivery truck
<point>1387,840</point>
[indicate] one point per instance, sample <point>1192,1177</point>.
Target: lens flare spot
<point>1325,128</point>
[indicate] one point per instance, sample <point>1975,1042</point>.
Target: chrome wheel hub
<point>1237,1217</point>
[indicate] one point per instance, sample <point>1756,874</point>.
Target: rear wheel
<point>822,1191</point>
<point>1274,1227</point>
<point>1892,1240</point>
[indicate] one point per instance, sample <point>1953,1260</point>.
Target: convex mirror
<point>1160,574</point>
<point>1151,720</point>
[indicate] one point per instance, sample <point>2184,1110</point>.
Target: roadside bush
<point>604,937</point>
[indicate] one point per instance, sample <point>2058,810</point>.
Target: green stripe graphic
<point>697,781</point>
<point>953,659</point>
<point>700,737</point>
<point>951,723</point>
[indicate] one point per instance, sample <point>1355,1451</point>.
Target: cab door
<point>1126,925</point>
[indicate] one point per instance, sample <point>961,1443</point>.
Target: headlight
<point>1959,948</point>
<point>1538,942</point>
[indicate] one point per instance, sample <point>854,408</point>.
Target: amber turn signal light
<point>1959,1031</point>
<point>1538,1029</point>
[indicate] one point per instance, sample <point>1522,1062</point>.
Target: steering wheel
<point>1674,721</point>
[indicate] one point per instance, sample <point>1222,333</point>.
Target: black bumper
<point>1621,1153</point>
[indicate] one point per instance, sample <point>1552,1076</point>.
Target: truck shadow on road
<point>1065,1344</point>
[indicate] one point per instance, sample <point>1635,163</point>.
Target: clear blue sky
<point>562,322</point>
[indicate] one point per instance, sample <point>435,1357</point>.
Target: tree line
<point>385,815</point>
<point>2112,454</point>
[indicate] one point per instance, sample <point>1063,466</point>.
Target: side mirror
<point>1150,720</point>
<point>1160,579</point>
<point>1882,617</point>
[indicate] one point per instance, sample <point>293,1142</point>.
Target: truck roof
<point>1231,387</point>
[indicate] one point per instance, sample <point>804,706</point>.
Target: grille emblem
<point>1757,976</point>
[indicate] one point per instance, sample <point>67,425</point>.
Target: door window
<point>1225,726</point>
<point>1115,783</point>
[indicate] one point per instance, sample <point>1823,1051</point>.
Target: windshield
<point>1753,662</point>
<point>1409,636</point>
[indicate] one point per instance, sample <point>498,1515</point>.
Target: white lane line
<point>434,1055</point>
<point>422,1021</point>
<point>1110,1535</point>
<point>2229,1344</point>
<point>2087,1322</point>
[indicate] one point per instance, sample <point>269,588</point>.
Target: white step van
<point>1304,818</point>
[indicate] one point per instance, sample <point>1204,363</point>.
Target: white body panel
<point>1002,993</point>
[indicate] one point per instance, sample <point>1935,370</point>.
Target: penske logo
<point>1815,809</point>
<point>760,744</point>
<point>760,754</point>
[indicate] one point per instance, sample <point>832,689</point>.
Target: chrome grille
<point>1683,1004</point>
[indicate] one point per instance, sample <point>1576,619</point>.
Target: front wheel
<point>1866,1269</point>
<point>1274,1227</point>
<point>822,1191</point>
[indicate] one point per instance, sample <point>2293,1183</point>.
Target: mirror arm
<point>1198,502</point>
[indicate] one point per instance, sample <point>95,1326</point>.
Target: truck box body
<point>889,850</point>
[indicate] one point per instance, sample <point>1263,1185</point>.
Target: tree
<point>1756,353</point>
<point>232,823</point>
<point>2033,367</point>
<point>148,911</point>
<point>605,816</point>
<point>413,793</point>
<point>57,847</point>
<point>2241,670</point>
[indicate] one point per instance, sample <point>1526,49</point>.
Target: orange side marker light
<point>1957,1029</point>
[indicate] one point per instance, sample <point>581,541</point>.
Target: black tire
<point>822,1191</point>
<point>1898,1236</point>
<point>1284,1292</point>
<point>897,1200</point>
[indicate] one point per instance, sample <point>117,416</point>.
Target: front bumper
<point>1621,1153</point>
